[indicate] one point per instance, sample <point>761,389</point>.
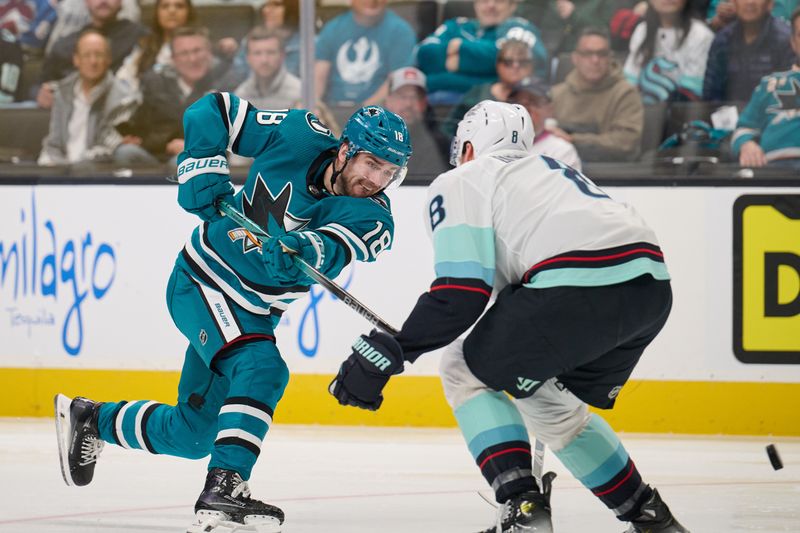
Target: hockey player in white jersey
<point>581,289</point>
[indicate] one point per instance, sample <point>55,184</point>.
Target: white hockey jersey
<point>508,217</point>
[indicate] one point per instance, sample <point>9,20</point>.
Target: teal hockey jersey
<point>772,117</point>
<point>283,192</point>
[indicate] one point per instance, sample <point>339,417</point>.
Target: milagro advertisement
<point>84,268</point>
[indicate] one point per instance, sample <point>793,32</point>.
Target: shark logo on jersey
<point>269,211</point>
<point>366,60</point>
<point>787,98</point>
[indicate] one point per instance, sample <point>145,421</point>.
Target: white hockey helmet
<point>491,126</point>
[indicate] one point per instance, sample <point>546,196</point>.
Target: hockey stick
<point>258,235</point>
<point>538,461</point>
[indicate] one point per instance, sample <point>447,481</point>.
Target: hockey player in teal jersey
<point>581,290</point>
<point>316,195</point>
<point>768,131</point>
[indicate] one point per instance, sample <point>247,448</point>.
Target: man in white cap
<point>408,97</point>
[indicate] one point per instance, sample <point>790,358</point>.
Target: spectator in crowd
<point>357,50</point>
<point>768,131</point>
<point>720,14</point>
<point>155,132</point>
<point>270,85</point>
<point>153,51</point>
<point>10,68</point>
<point>74,15</point>
<point>408,97</point>
<point>88,105</point>
<point>564,19</point>
<point>754,45</point>
<point>514,63</point>
<point>534,95</point>
<point>462,52</point>
<point>668,53</point>
<point>596,109</point>
<point>626,15</point>
<point>28,21</point>
<point>121,33</point>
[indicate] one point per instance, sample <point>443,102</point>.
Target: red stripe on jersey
<point>598,258</point>
<point>486,293</point>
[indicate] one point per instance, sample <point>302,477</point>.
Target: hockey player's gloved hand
<point>279,262</point>
<point>200,189</point>
<point>363,375</point>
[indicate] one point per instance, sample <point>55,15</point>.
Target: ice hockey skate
<point>527,512</point>
<point>225,506</point>
<point>655,517</point>
<point>79,442</point>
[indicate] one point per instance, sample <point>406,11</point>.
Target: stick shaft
<point>259,235</point>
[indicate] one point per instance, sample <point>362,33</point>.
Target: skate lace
<point>240,488</point>
<point>90,450</point>
<point>504,514</point>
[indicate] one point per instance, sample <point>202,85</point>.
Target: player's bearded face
<point>365,175</point>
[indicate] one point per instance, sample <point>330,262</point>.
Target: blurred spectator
<point>10,68</point>
<point>754,45</point>
<point>534,95</point>
<point>357,50</point>
<point>462,52</point>
<point>155,133</point>
<point>564,19</point>
<point>88,105</point>
<point>282,16</point>
<point>514,63</point>
<point>783,9</point>
<point>74,15</point>
<point>668,53</point>
<point>597,110</point>
<point>29,21</point>
<point>153,50</point>
<point>122,34</point>
<point>270,85</point>
<point>720,14</point>
<point>408,97</point>
<point>768,131</point>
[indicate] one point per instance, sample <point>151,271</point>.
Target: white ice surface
<point>381,480</point>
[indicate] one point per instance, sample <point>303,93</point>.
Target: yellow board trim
<point>687,407</point>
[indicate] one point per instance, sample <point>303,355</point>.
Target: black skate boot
<point>225,505</point>
<point>527,512</point>
<point>79,442</point>
<point>655,517</point>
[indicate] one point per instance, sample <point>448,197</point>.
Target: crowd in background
<point>592,73</point>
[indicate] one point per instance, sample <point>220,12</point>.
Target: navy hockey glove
<point>364,374</point>
<point>280,264</point>
<point>202,183</point>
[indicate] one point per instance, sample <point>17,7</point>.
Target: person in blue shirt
<point>752,46</point>
<point>462,52</point>
<point>357,50</point>
<point>319,196</point>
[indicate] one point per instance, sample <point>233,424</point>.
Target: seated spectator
<point>270,85</point>
<point>73,15</point>
<point>754,45</point>
<point>514,63</point>
<point>768,131</point>
<point>282,16</point>
<point>668,53</point>
<point>122,34</point>
<point>88,105</point>
<point>564,19</point>
<point>155,132</point>
<point>29,22</point>
<point>596,109</point>
<point>153,50</point>
<point>462,52</point>
<point>357,50</point>
<point>534,95</point>
<point>10,68</point>
<point>408,97</point>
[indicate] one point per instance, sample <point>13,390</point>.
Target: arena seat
<point>22,129</point>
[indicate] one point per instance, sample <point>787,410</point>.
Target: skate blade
<point>62,404</point>
<point>217,522</point>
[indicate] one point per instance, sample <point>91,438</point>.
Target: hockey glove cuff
<point>201,183</point>
<point>364,374</point>
<point>281,265</point>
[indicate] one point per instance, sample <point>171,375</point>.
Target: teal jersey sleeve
<point>753,119</point>
<point>478,57</point>
<point>362,227</point>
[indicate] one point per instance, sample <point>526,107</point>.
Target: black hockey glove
<point>363,375</point>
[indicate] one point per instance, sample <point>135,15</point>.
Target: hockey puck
<point>774,458</point>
